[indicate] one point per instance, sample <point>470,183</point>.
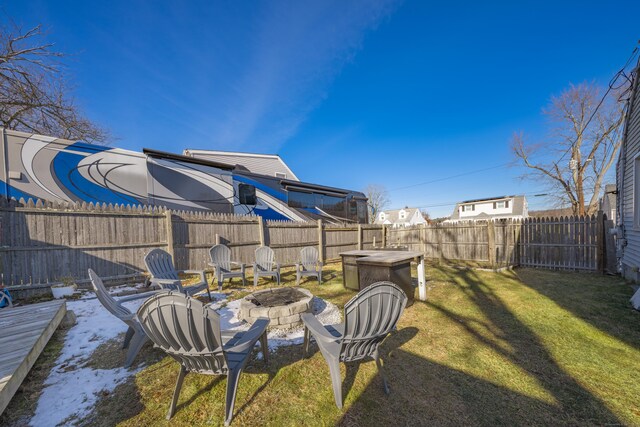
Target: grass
<point>523,347</point>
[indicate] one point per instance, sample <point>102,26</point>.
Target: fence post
<point>217,239</point>
<point>168,221</point>
<point>384,236</point>
<point>320,241</point>
<point>359,236</point>
<point>423,238</point>
<point>491,242</point>
<point>600,241</point>
<point>516,241</point>
<point>261,230</point>
<point>438,230</point>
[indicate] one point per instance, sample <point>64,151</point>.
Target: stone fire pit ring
<point>280,316</point>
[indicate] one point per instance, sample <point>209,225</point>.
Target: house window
<point>636,192</point>
<point>499,205</point>
<point>382,216</point>
<point>402,214</point>
<point>281,175</point>
<point>468,208</point>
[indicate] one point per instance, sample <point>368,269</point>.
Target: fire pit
<point>283,306</point>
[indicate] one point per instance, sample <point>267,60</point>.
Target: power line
<point>539,193</point>
<point>610,87</point>
<point>453,176</point>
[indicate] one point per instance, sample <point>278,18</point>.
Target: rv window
<point>247,194</point>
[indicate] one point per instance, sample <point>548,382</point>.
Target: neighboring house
<point>608,202</point>
<point>261,164</point>
<point>491,209</point>
<point>405,217</point>
<point>628,184</point>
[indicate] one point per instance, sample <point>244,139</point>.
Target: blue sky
<point>348,93</point>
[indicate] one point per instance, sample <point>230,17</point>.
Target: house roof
<point>393,216</point>
<point>518,209</point>
<point>262,164</point>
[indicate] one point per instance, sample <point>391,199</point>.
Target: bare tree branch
<point>378,199</point>
<point>590,134</point>
<point>34,94</point>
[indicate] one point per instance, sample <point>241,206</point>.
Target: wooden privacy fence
<point>43,242</point>
<point>566,243</point>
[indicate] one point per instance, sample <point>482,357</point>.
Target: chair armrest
<point>318,331</point>
<point>198,272</point>
<point>161,282</point>
<point>138,296</point>
<point>250,337</point>
<point>239,264</point>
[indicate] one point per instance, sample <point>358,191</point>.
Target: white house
<point>405,217</point>
<point>491,209</point>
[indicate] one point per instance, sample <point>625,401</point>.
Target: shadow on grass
<point>600,300</point>
<point>427,392</point>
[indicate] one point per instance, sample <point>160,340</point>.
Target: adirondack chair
<point>309,265</point>
<point>221,260</point>
<point>368,318</point>
<point>135,337</point>
<point>189,331</point>
<point>163,273</point>
<point>265,265</point>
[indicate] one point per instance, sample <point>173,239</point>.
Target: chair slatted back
<point>186,329</point>
<point>309,258</point>
<point>105,299</point>
<point>265,258</point>
<point>160,265</point>
<point>221,256</point>
<point>369,317</point>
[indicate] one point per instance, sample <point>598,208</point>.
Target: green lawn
<point>514,348</point>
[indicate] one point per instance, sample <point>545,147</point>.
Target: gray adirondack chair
<point>189,331</point>
<point>265,265</point>
<point>309,265</point>
<point>368,318</point>
<point>135,337</point>
<point>221,260</point>
<point>163,273</point>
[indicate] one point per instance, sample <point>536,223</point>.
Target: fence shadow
<point>602,301</point>
<point>427,392</point>
<point>44,247</point>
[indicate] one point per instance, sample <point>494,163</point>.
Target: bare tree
<point>378,200</point>
<point>426,215</point>
<point>584,140</point>
<point>34,93</point>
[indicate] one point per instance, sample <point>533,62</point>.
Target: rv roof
<point>187,159</point>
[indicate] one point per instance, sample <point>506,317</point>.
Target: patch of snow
<point>71,389</point>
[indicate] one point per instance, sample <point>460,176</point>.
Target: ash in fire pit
<point>284,296</point>
<point>282,306</point>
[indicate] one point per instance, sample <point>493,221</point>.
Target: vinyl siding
<point>631,145</point>
<point>263,165</point>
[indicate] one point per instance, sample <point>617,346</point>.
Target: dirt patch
<point>111,355</point>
